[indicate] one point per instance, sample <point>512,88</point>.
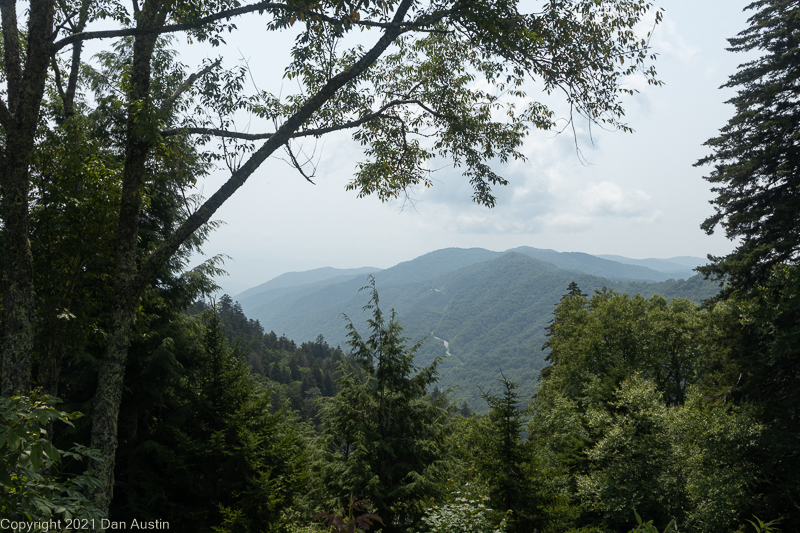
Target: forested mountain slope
<point>491,308</point>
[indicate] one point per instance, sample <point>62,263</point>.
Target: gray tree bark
<point>19,120</point>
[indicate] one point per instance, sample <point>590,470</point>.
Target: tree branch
<point>226,14</point>
<point>172,243</point>
<point>229,13</point>
<point>216,132</point>
<point>297,165</point>
<point>306,133</point>
<point>185,86</point>
<point>169,28</point>
<point>59,85</point>
<point>12,58</point>
<point>72,81</point>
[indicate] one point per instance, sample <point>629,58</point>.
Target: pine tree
<point>756,156</point>
<point>383,437</point>
<point>504,461</point>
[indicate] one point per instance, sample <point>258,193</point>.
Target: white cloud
<point>670,43</point>
<point>608,199</point>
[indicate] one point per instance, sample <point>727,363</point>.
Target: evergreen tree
<point>756,174</point>
<point>573,297</point>
<point>211,456</point>
<point>756,156</point>
<point>382,438</point>
<point>504,461</point>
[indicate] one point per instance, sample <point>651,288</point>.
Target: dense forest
<point>647,406</point>
<point>133,401</point>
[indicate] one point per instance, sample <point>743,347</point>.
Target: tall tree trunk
<point>25,92</point>
<point>130,284</point>
<point>139,140</point>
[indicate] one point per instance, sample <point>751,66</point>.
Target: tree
<point>382,437</point>
<point>757,335</point>
<point>503,459</point>
<point>415,82</point>
<point>597,343</point>
<point>756,173</point>
<point>756,156</point>
<point>209,456</point>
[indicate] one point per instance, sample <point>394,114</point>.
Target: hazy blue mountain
<point>596,265</point>
<point>678,266</point>
<point>296,279</point>
<point>433,264</point>
<point>490,307</point>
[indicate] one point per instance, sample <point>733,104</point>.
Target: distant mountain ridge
<point>296,279</point>
<point>491,307</point>
<point>677,265</point>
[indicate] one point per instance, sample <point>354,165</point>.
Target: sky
<point>631,194</point>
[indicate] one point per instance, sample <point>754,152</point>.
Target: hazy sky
<point>637,196</point>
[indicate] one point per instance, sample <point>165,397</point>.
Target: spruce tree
<point>505,463</point>
<point>756,156</point>
<point>383,437</point>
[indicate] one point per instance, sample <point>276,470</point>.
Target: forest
<point>133,400</point>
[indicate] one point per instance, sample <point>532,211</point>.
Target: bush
<point>463,515</point>
<point>32,487</point>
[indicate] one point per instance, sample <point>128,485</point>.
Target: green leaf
<point>51,451</point>
<point>36,456</point>
<point>5,479</point>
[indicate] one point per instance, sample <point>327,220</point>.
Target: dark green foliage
<point>211,454</point>
<point>759,339</point>
<point>756,174</point>
<point>382,438</point>
<point>297,375</point>
<point>756,156</point>
<point>504,460</point>
<point>32,486</point>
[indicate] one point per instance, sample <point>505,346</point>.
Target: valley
<point>483,312</point>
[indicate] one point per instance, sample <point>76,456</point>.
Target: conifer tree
<point>756,156</point>
<point>382,439</point>
<point>212,457</point>
<point>504,461</point>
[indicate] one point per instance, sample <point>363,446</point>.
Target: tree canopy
<point>438,79</point>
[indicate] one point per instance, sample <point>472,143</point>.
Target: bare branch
<point>77,48</point>
<point>67,21</point>
<point>297,165</point>
<point>216,132</point>
<point>185,86</point>
<point>59,85</point>
<point>316,132</point>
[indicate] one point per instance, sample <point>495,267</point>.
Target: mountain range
<point>485,311</point>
